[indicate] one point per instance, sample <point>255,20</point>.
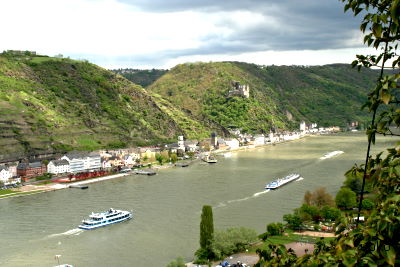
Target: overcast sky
<point>163,33</point>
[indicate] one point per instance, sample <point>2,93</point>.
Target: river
<point>167,206</point>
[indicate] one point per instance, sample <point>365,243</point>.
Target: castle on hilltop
<point>239,90</point>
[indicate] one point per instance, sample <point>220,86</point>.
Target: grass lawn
<point>17,193</point>
<point>6,191</point>
<point>291,237</point>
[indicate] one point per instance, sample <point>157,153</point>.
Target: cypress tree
<point>206,228</point>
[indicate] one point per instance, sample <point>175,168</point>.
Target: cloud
<point>158,31</point>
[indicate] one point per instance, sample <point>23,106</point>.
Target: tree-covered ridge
<point>141,77</point>
<point>50,104</point>
<point>280,96</point>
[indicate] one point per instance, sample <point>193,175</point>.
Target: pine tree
<point>206,228</point>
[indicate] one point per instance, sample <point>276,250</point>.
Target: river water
<point>167,206</point>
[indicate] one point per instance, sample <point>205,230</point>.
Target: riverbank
<point>52,186</point>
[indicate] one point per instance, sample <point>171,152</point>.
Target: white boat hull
<point>104,219</point>
<point>281,182</point>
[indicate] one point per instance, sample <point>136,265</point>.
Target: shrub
<point>367,204</point>
<point>275,229</point>
<point>232,240</point>
<point>177,263</point>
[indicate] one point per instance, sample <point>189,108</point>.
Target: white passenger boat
<point>101,219</point>
<point>282,181</point>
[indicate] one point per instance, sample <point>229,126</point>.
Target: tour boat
<point>282,181</point>
<point>101,219</point>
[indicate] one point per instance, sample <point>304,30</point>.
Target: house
<point>58,166</point>
<point>221,144</point>
<point>129,160</point>
<point>116,161</point>
<point>32,169</point>
<point>191,146</point>
<point>105,164</point>
<point>259,140</point>
<point>173,148</point>
<point>12,168</point>
<point>149,152</point>
<point>5,174</point>
<point>232,143</point>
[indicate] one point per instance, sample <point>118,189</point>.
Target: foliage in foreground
<point>376,243</point>
<point>177,263</point>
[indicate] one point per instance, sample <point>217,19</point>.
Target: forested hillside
<point>280,96</point>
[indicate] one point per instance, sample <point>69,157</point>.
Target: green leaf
<point>390,255</point>
<point>377,30</point>
<point>385,97</point>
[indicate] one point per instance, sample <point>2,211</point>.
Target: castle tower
<point>302,126</point>
<point>214,139</point>
<point>181,143</point>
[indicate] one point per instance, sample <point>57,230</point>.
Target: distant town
<point>79,165</point>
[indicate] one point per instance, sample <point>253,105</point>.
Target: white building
<point>233,143</point>
<point>302,126</point>
<point>191,146</point>
<point>105,164</point>
<point>58,166</point>
<point>259,140</point>
<point>181,143</point>
<point>83,161</point>
<point>5,174</point>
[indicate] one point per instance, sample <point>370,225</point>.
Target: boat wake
<point>224,204</point>
<point>238,200</point>
<point>75,231</point>
<point>301,178</point>
<point>331,154</point>
<point>261,193</point>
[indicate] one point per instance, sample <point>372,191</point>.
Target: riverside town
<point>51,172</point>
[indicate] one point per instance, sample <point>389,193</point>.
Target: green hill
<point>56,104</point>
<point>280,96</point>
<point>52,104</point>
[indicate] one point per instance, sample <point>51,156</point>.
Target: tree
<point>293,221</point>
<point>321,198</point>
<point>173,157</point>
<point>330,213</point>
<point>307,197</point>
<point>345,198</point>
<point>159,158</point>
<point>308,212</point>
<point>275,229</point>
<point>206,233</point>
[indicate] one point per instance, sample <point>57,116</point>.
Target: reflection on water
<point>167,206</point>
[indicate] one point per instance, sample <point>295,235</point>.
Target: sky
<point>164,33</point>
